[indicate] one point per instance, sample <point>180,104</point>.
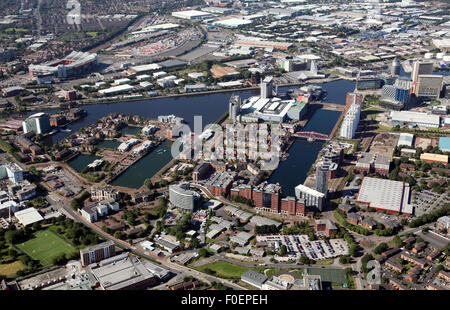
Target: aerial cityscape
<point>227,145</point>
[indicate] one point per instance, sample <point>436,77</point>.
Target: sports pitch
<point>44,246</point>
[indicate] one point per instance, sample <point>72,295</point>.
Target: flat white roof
<point>309,191</point>
<point>233,22</point>
<point>383,194</point>
<point>190,13</point>
<point>415,117</point>
<point>147,67</point>
<point>119,88</point>
<point>28,216</point>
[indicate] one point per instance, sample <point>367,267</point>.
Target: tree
<point>344,260</point>
<point>398,241</point>
<point>283,250</point>
<point>202,252</point>
<point>59,259</point>
<point>195,243</point>
<point>305,260</point>
<point>382,247</point>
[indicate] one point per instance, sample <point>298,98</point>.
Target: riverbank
<point>216,91</point>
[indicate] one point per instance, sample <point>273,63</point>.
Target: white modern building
<point>39,123</point>
<point>12,171</point>
<point>311,196</point>
<point>148,130</point>
<point>116,89</point>
<point>350,122</point>
<point>125,146</point>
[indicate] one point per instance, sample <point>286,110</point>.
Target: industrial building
<point>114,90</point>
<point>233,22</point>
<point>182,197</point>
<point>263,44</point>
<point>434,158</point>
<point>38,123</point>
<point>444,144</point>
<point>412,118</point>
<point>405,139</point>
<point>192,15</point>
<point>385,195</point>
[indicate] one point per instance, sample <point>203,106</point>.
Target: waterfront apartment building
<point>38,123</point>
<point>350,122</point>
<point>353,98</point>
<point>311,196</point>
<point>104,193</point>
<point>182,197</point>
<point>234,107</point>
<point>322,172</point>
<point>96,253</point>
<point>267,87</point>
<point>293,206</point>
<point>267,197</point>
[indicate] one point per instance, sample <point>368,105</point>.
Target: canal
<point>146,167</point>
<point>81,161</point>
<point>211,107</point>
<point>302,154</point>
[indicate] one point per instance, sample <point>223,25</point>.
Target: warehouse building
<point>385,195</point>
<point>192,15</point>
<point>405,139</point>
<point>444,144</point>
<point>414,119</point>
<point>434,158</point>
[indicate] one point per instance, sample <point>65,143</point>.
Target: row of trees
<point>430,217</point>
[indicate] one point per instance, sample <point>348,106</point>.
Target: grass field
<point>11,269</point>
<point>330,275</point>
<point>227,270</point>
<point>44,246</point>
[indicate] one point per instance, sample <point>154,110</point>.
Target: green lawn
<point>231,271</point>
<point>9,270</point>
<point>330,275</point>
<point>44,246</point>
